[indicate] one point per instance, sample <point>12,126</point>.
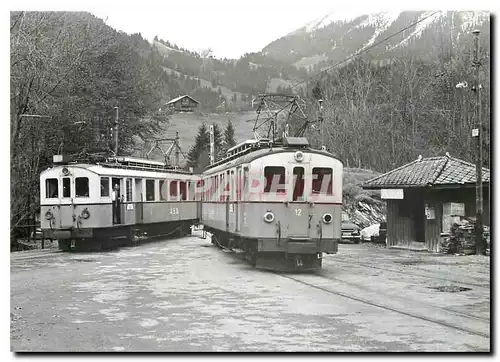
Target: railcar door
<point>116,201</point>
<point>299,215</point>
<point>66,217</point>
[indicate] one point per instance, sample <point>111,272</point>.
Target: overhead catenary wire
<point>364,50</point>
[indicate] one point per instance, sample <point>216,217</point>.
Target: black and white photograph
<point>229,176</point>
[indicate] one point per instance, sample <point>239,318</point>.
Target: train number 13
<point>298,212</point>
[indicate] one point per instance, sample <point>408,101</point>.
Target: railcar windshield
<point>51,188</point>
<point>81,187</point>
<point>322,180</point>
<point>298,183</point>
<point>275,179</point>
<point>66,187</point>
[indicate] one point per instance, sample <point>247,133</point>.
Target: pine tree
<point>201,143</point>
<point>229,136</point>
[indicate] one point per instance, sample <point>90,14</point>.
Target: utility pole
<point>478,132</point>
<point>115,133</point>
<point>212,144</point>
<point>177,149</point>
<point>320,101</point>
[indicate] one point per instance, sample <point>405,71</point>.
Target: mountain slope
<point>334,37</point>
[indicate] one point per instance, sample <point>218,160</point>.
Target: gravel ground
<point>186,295</point>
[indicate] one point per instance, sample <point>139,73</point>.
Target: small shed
<point>426,196</point>
<point>183,103</point>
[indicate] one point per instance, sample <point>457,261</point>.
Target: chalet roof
<point>179,98</point>
<point>431,171</point>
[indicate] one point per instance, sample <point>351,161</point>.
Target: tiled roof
<point>179,98</point>
<point>431,171</point>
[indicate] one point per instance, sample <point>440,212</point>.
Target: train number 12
<point>298,212</point>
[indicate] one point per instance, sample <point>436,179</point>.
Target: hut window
<point>66,187</point>
<point>150,190</point>
<point>51,188</point>
<point>183,190</point>
<point>128,189</point>
<point>275,179</point>
<point>322,180</point>
<point>104,186</point>
<point>82,187</point>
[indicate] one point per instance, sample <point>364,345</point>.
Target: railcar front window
<point>104,186</point>
<point>150,190</point>
<point>322,180</point>
<point>298,183</point>
<point>275,179</point>
<point>82,187</point>
<point>51,188</point>
<point>66,187</point>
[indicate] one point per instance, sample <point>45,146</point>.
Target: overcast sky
<point>229,27</point>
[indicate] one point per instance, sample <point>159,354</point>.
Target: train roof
<point>104,170</point>
<point>258,153</point>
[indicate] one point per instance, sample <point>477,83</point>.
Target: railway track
<point>359,286</point>
<point>483,285</point>
<point>442,318</point>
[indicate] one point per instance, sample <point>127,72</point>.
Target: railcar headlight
<point>299,156</point>
<point>65,171</point>
<point>268,217</point>
<point>48,215</point>
<point>85,214</point>
<point>327,218</point>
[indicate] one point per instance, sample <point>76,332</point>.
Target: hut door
<point>419,218</point>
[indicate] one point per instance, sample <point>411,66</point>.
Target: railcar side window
<point>275,179</point>
<point>51,188</point>
<point>183,190</point>
<point>150,190</point>
<point>104,186</point>
<point>192,190</point>
<point>173,188</point>
<point>164,190</point>
<point>322,180</point>
<point>128,189</point>
<point>66,187</point>
<point>81,187</point>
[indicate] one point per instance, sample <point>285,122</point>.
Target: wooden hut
<point>426,196</point>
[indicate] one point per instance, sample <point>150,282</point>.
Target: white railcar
<point>91,206</point>
<point>282,205</point>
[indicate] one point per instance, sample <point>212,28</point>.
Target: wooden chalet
<point>426,196</point>
<point>183,103</point>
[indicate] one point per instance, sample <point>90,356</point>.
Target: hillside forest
<point>68,72</point>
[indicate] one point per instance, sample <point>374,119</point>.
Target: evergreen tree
<point>201,143</point>
<point>229,136</point>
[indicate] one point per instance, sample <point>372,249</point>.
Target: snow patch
<point>333,17</point>
<point>471,19</point>
<point>420,27</point>
<point>381,21</point>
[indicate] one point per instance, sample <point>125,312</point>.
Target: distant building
<point>426,196</point>
<point>183,103</point>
